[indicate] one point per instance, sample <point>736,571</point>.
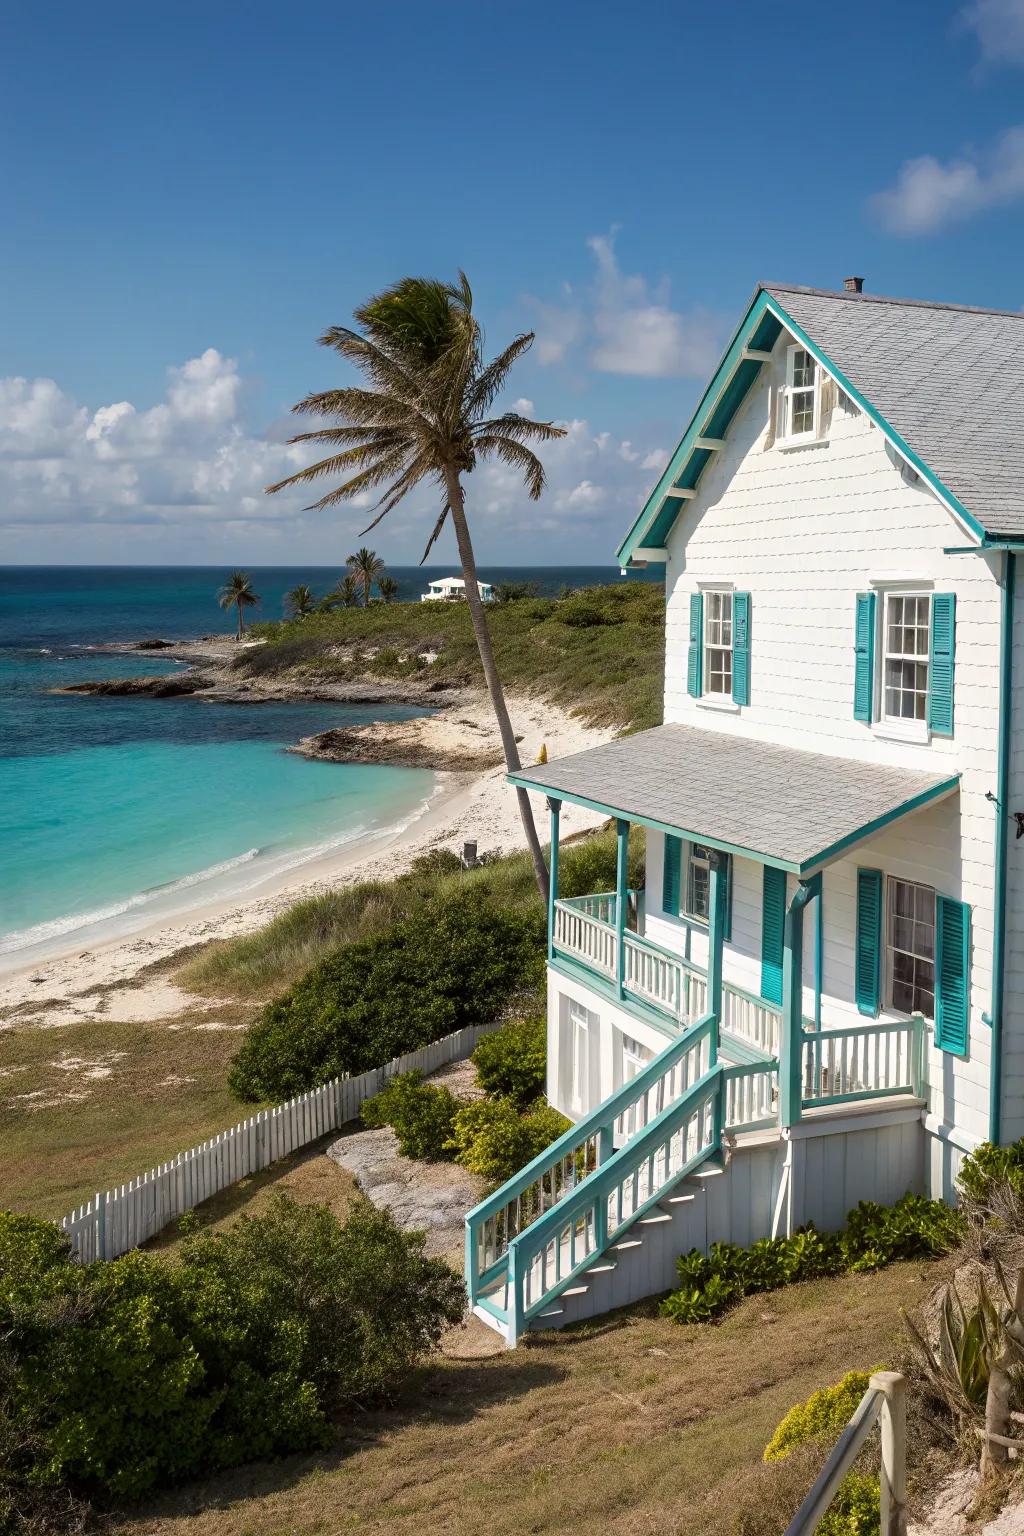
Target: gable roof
<point>944,382</point>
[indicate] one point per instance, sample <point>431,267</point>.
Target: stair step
<point>552,1312</point>
<point>708,1171</point>
<point>576,1290</point>
<point>629,1242</point>
<point>655,1219</point>
<point>601,1269</point>
<point>678,1199</point>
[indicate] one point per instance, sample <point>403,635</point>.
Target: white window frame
<point>784,435</point>
<point>580,1021</point>
<point>699,854</point>
<point>723,595</point>
<point>905,726</point>
<point>891,948</point>
<point>635,1057</point>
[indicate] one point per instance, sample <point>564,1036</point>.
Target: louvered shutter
<point>940,663</point>
<point>741,647</point>
<point>952,975</point>
<point>670,875</point>
<point>727,925</point>
<point>864,653</point>
<point>773,926</point>
<point>868,958</point>
<point>694,669</point>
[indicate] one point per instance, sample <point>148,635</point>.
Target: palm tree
<point>237,593</point>
<point>424,417</point>
<point>387,586</point>
<point>299,601</point>
<point>366,567</point>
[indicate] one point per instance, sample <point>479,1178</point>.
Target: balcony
<point>585,931</point>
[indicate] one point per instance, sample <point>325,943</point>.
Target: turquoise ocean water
<point>116,812</point>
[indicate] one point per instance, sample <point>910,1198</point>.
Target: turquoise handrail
<point>599,1123</point>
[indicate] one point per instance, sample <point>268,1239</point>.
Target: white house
<point>452,589</point>
<point>818,996</point>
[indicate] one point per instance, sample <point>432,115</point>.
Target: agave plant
<point>957,1366</point>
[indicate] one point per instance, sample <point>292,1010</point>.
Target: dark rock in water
<point>167,687</point>
<point>152,645</point>
<point>403,744</point>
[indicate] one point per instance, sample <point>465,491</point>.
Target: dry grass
<point>631,1425</point>
<point>82,1131</point>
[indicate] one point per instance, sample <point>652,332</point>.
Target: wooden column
<point>716,940</point>
<point>554,806</point>
<point>621,900</point>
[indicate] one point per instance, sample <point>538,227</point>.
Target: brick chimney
<point>853,284</point>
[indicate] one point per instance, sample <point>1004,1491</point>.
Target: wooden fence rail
<point>122,1218</point>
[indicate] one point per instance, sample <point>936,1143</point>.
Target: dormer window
<point>798,400</point>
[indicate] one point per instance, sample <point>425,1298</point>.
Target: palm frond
<point>411,476</point>
<point>516,457</point>
<point>360,407</point>
<point>436,533</point>
<point>522,428</point>
<point>489,383</point>
<point>373,361</point>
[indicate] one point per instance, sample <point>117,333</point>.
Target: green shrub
<point>456,962</point>
<point>422,1116</point>
<point>512,1063</point>
<point>988,1165</point>
<point>491,1138</point>
<point>825,1413</point>
<point>874,1236</point>
<point>856,1509</point>
<point>437,861</point>
<point>117,1378</point>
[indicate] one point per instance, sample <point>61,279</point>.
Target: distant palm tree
<point>424,417</point>
<point>344,595</point>
<point>367,568</point>
<point>299,601</point>
<point>387,586</point>
<point>237,593</point>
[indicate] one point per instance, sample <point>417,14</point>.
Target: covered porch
<point>788,812</point>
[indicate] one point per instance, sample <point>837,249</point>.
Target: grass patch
<point>627,1425</point>
<point>599,652</point>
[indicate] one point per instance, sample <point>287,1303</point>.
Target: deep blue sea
<point>116,812</point>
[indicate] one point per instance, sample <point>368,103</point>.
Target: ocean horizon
<point>116,812</point>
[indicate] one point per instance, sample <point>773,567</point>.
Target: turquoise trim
<point>819,955</point>
<point>867,974</point>
<point>952,975</point>
<point>573,970</point>
<point>554,806</point>
<point>944,787</point>
<point>621,901</point>
<point>995,1090</point>
<point>864,657</point>
<point>791,1045</point>
<point>773,922</point>
<point>941,663</point>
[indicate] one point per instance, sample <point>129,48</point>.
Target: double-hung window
<point>906,627</point>
<point>698,882</point>
<point>718,640</point>
<point>798,399</point>
<point>910,947</point>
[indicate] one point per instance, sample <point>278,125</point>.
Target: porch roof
<point>782,806</point>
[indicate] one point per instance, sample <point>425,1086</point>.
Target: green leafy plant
<point>422,1116</point>
<point>989,1165</point>
<point>856,1509</point>
<point>118,1378</point>
<point>512,1063</point>
<point>491,1138</point>
<point>958,1364</point>
<point>824,1413</point>
<point>875,1235</point>
<point>456,962</point>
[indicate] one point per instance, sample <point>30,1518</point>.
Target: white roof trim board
<point>797,810</point>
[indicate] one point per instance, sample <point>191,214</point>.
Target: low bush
<point>825,1413</point>
<point>491,1138</point>
<point>456,962</point>
<point>512,1063</point>
<point>874,1236</point>
<point>422,1116</point>
<point>988,1166</point>
<point>116,1378</point>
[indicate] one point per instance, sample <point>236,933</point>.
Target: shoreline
<point>74,981</point>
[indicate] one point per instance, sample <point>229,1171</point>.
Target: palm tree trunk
<point>241,622</point>
<point>483,640</point>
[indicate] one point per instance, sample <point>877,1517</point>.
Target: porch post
<point>791,1050</point>
<point>621,900</point>
<point>716,939</point>
<point>554,806</point>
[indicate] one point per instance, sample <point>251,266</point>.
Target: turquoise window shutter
<point>952,975</point>
<point>864,652</point>
<point>727,926</point>
<point>773,927</point>
<point>670,874</point>
<point>940,663</point>
<point>868,958</point>
<point>741,647</point>
<point>694,667</point>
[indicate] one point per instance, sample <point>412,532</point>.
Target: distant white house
<point>817,996</point>
<point>452,589</point>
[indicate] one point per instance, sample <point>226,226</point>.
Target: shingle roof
<point>776,803</point>
<point>947,378</point>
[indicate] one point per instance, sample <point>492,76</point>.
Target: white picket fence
<point>126,1216</point>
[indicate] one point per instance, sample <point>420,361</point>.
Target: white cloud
<point>184,478</point>
<point>999,28</point>
<point>656,459</point>
<point>523,406</point>
<point>626,326</point>
<point>929,194</point>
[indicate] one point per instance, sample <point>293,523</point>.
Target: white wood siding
<point>803,531</point>
<point>1013,996</point>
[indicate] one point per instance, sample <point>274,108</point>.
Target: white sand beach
<point>69,982</point>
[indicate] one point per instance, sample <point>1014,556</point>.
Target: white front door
<point>580,1020</point>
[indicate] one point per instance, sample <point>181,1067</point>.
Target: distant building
<point>452,589</point>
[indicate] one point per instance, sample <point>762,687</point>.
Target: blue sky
<point>192,192</point>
